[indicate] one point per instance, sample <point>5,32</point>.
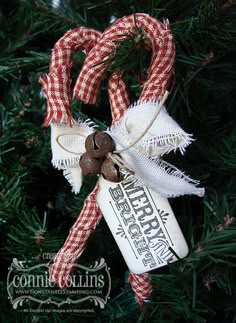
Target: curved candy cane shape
<point>159,39</point>
<point>57,88</point>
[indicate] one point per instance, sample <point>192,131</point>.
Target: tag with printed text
<point>143,225</point>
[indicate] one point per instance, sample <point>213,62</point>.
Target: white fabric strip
<point>143,158</point>
<point>67,145</point>
<point>164,136</point>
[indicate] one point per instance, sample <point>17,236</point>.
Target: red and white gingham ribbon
<point>56,86</point>
<point>159,39</point>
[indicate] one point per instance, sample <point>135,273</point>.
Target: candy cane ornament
<point>56,87</point>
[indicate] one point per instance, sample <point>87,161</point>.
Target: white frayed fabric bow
<point>143,158</point>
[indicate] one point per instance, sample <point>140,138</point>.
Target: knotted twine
<point>56,86</point>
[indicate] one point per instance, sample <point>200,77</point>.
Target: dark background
<point>200,288</point>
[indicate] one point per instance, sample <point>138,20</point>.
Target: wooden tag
<point>143,225</point>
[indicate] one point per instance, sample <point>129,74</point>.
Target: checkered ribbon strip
<point>141,285</point>
<point>159,39</point>
<point>76,241</point>
<point>56,86</point>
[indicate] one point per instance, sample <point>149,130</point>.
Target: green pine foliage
<point>37,207</point>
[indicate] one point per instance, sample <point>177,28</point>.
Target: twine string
<point>67,150</point>
<point>120,162</point>
<point>165,96</point>
<point>114,155</point>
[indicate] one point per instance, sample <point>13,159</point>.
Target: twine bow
<point>143,155</point>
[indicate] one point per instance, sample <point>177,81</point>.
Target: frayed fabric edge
<point>86,124</point>
<point>132,179</point>
<point>58,117</point>
<point>166,144</point>
<point>61,164</point>
<point>76,186</point>
<point>170,170</point>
